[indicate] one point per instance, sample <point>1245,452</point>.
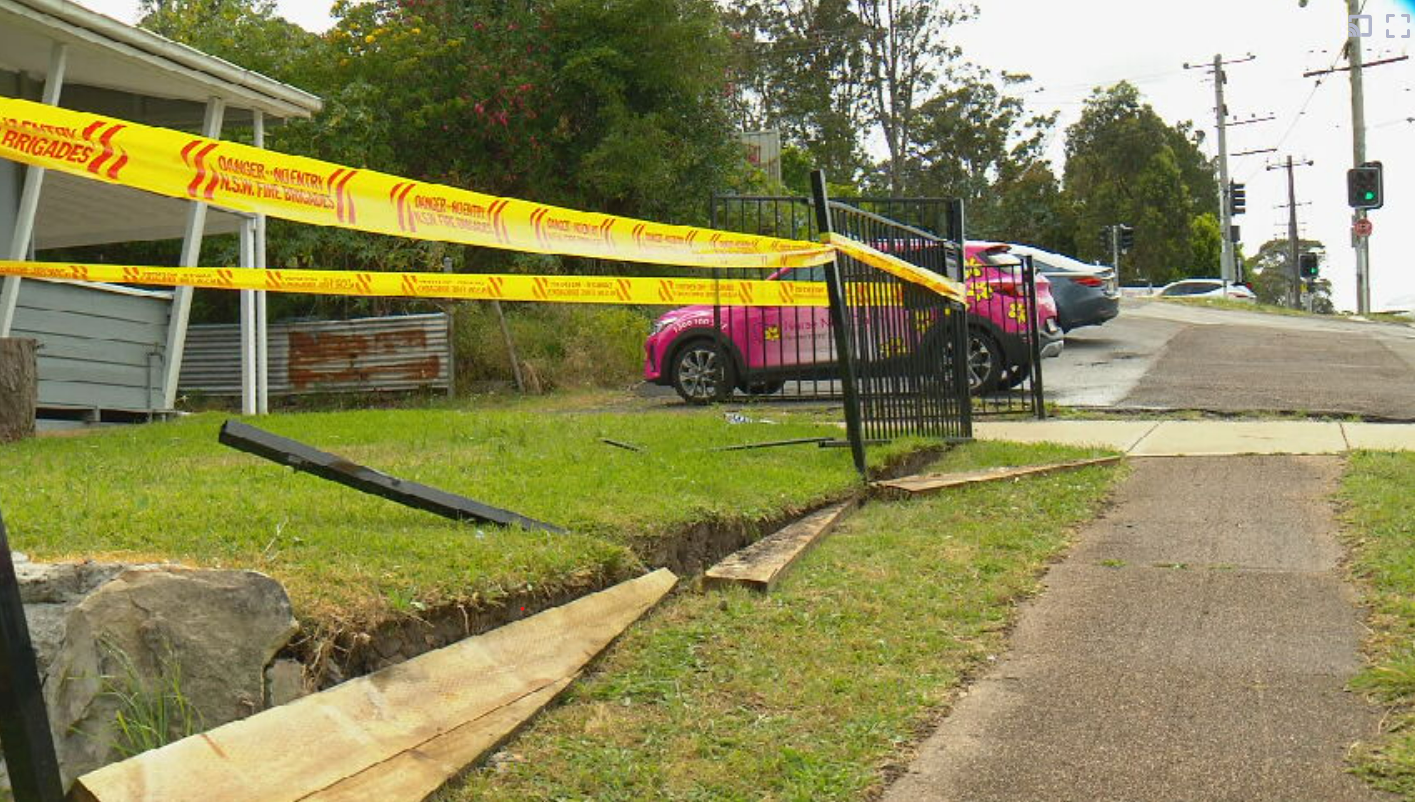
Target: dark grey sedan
<point>1086,295</point>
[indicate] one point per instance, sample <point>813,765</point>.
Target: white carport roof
<point>114,68</point>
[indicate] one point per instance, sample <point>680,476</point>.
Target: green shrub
<point>559,345</point>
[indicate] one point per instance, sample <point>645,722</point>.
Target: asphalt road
<point>1168,356</point>
<point>1186,650</point>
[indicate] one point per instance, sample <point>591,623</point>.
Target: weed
<point>151,712</point>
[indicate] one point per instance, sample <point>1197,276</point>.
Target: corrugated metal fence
<point>410,352</point>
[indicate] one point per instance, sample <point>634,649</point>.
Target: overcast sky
<point>1069,47</point>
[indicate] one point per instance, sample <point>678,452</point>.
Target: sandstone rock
<point>102,630</point>
<point>284,683</point>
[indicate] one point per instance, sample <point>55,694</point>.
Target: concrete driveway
<point>1168,356</point>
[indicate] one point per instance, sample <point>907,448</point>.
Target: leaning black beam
<point>24,720</point>
<point>804,441</point>
<point>301,457</point>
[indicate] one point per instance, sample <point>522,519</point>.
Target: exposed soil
<point>333,657</point>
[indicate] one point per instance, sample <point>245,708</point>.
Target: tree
<point>906,54</point>
<point>798,67</point>
<point>1206,243</point>
<point>1029,208</point>
<point>978,142</point>
<point>1271,273</point>
<point>1124,164</point>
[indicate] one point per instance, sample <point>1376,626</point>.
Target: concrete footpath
<point>1194,646</point>
<point>1150,438</point>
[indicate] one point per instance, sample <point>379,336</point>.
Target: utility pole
<point>1358,131</point>
<point>1294,243</point>
<point>1228,266</point>
<point>1356,66</point>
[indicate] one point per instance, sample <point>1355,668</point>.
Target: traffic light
<point>1237,198</point>
<point>1365,186</point>
<point>1309,265</point>
<point>1106,238</point>
<point>1127,237</point>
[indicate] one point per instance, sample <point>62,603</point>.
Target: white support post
<point>262,331</point>
<point>248,322</point>
<point>191,255</point>
<point>29,197</point>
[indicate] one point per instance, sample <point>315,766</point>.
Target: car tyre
<point>1014,376</point>
<point>984,362</point>
<point>703,373</point>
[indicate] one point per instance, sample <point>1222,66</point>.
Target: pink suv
<point>705,353</point>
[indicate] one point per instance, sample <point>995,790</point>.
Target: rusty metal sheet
<point>408,352</point>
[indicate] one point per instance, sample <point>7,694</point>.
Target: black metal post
<point>24,722</point>
<point>1039,407</point>
<point>955,233</point>
<point>839,318</point>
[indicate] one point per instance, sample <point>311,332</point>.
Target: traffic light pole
<point>1115,250</point>
<point>1358,128</point>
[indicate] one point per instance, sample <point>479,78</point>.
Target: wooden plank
<point>761,565</point>
<point>394,734</point>
<point>305,459</point>
<point>932,483</point>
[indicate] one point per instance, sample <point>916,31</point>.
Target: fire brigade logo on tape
<point>343,199</point>
<point>105,141</point>
<point>399,196</point>
<point>195,156</point>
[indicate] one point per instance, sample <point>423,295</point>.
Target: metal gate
<point>789,354</point>
<point>900,338</point>
<point>1009,331</point>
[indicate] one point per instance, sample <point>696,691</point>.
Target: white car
<point>1206,288</point>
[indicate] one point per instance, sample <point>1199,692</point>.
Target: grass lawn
<point>812,692</point>
<point>1381,521</point>
<point>170,491</point>
<point>1243,306</point>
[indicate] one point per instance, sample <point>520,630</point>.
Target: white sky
<point>1069,47</point>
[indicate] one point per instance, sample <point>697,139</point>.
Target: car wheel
<point>1014,376</point>
<point>984,363</point>
<point>702,373</point>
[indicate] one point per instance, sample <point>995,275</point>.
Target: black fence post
<point>1038,398</point>
<point>838,320</point>
<point>24,722</point>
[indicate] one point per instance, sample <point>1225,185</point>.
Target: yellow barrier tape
<point>249,179</point>
<point>550,289</point>
<point>895,266</point>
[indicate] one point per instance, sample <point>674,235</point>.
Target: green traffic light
<point>1370,196</point>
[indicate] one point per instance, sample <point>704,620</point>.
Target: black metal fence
<point>899,339</point>
<point>1010,329</point>
<point>791,355</point>
<point>902,337</point>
